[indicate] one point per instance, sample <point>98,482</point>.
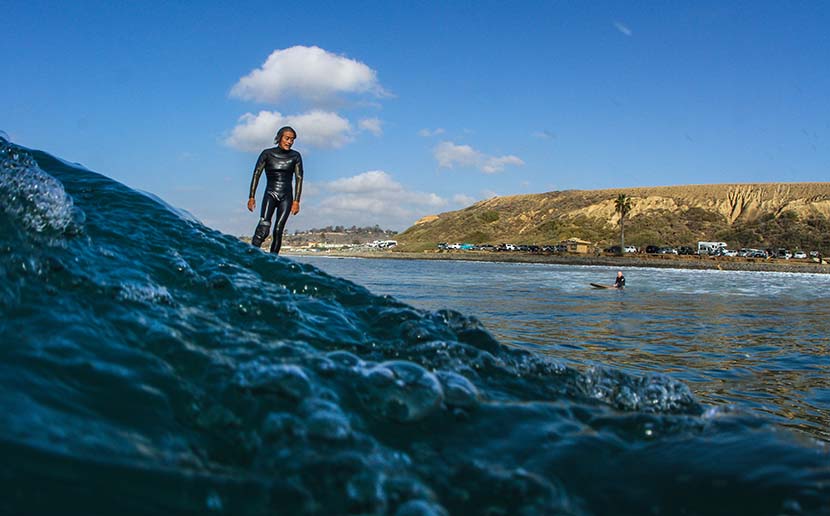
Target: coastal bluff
<point>745,214</point>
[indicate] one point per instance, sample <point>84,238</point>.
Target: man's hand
<point>251,204</point>
<point>295,207</point>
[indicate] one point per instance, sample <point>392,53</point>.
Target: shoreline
<point>654,261</point>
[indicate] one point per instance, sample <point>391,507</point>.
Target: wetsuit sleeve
<point>260,166</point>
<point>298,176</point>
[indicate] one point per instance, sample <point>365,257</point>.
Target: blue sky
<point>406,109</point>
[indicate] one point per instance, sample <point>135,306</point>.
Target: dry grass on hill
<point>743,215</point>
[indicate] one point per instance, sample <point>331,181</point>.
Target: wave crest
<point>31,197</point>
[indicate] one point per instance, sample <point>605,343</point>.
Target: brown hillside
<point>793,214</point>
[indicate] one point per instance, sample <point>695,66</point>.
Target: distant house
<point>575,245</point>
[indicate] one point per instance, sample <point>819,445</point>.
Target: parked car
<point>630,249</point>
<point>783,253</point>
<point>685,250</point>
<point>614,249</point>
<point>800,255</point>
<point>667,250</point>
<point>652,249</point>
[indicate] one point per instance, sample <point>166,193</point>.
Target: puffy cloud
<point>449,155</point>
<point>374,181</point>
<point>492,164</point>
<point>316,128</point>
<point>373,125</point>
<point>310,73</point>
<point>370,198</point>
<point>426,133</point>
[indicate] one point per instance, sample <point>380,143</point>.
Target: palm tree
<point>622,205</point>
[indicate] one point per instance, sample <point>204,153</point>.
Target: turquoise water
<point>152,365</point>
<point>756,341</point>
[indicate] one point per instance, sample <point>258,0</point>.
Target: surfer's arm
<point>298,185</point>
<point>260,166</point>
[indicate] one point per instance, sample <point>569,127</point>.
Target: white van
<point>710,247</point>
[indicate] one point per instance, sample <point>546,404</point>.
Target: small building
<point>575,245</point>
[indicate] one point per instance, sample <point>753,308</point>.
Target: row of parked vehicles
<point>560,248</point>
<point>716,249</point>
<point>650,249</point>
<point>720,249</point>
<point>704,249</point>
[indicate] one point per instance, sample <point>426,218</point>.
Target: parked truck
<point>710,247</point>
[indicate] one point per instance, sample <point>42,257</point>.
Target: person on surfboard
<point>620,281</point>
<point>281,165</point>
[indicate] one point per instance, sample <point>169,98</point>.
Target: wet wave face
<point>151,365</point>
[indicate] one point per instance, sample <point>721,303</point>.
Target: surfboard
<point>597,285</point>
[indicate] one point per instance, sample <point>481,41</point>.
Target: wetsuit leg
<point>283,209</point>
<point>269,204</point>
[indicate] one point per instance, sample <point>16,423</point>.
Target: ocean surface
<point>152,365</point>
<point>755,341</point>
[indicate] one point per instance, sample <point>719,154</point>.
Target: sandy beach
<point>660,261</point>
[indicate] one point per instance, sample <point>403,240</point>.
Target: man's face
<point>287,140</point>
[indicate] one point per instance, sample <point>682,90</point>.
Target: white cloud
<point>373,125</point>
<point>370,198</point>
<point>463,199</point>
<point>310,73</point>
<point>622,28</point>
<point>449,155</point>
<point>492,164</point>
<point>316,128</point>
<point>373,181</point>
<point>426,133</point>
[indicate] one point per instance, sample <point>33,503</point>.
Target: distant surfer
<point>281,166</point>
<point>620,281</point>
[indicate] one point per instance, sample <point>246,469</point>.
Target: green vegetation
<point>550,230</point>
<point>489,216</point>
<point>476,237</point>
<point>622,205</point>
<point>787,230</point>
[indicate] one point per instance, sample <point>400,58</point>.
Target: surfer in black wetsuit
<point>281,165</point>
<point>620,281</point>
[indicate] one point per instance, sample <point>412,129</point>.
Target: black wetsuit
<point>620,282</point>
<point>280,167</point>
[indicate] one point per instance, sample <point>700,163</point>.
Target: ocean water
<point>754,341</point>
<point>152,365</point>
